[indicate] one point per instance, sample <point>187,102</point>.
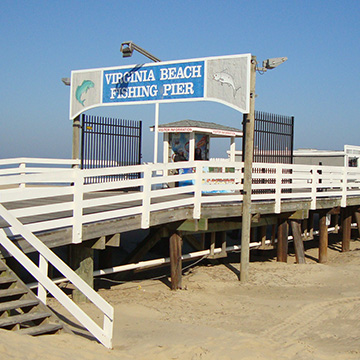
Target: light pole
<point>127,48</point>
<point>248,160</point>
<point>76,129</point>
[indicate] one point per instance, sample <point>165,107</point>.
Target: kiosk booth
<point>190,140</point>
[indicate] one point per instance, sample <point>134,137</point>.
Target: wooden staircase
<point>21,310</point>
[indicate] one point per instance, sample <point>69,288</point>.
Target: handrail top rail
<point>29,160</point>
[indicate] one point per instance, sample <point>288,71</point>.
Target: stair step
<point>20,319</point>
<point>7,280</point>
<point>17,304</point>
<point>11,292</point>
<point>41,329</point>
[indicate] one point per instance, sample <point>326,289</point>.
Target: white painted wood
<point>232,149</point>
<point>47,225</point>
<point>107,215</point>
<point>78,207</point>
<point>166,147</point>
<point>278,179</point>
<point>42,209</point>
<point>344,188</point>
<point>38,245</point>
<point>197,191</point>
<point>44,268</point>
<point>14,161</point>
<point>41,186</point>
<point>192,146</point>
<point>145,218</point>
<point>8,195</point>
<point>171,204</point>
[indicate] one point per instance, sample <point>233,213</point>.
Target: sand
<point>285,311</point>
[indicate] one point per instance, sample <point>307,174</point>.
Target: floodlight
<point>128,47</point>
<point>66,81</point>
<point>273,62</point>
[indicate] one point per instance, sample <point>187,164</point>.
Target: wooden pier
<point>90,209</point>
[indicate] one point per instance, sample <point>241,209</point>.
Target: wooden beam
<point>82,262</point>
<point>323,238</point>
<point>197,244</point>
<point>282,243</point>
<point>298,242</point>
<point>273,234</point>
<point>113,240</point>
<point>98,244</point>
<point>335,211</point>
<point>299,214</point>
<point>262,235</point>
<point>357,218</point>
<point>346,229</point>
<point>212,244</point>
<point>222,236</point>
<point>311,225</point>
<point>193,225</point>
<point>144,246</point>
<point>175,261</point>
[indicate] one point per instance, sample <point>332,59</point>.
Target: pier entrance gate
<point>273,138</point>
<point>107,142</point>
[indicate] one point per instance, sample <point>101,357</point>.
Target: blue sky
<point>42,41</point>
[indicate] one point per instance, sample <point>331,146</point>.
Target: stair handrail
<point>105,334</point>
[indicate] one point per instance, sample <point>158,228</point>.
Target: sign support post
<point>76,138</point>
<point>156,132</point>
<point>249,150</point>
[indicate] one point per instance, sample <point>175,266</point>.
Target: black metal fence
<point>107,142</point>
<point>273,138</point>
<point>273,143</point>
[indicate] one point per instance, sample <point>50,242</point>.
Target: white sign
<point>222,79</point>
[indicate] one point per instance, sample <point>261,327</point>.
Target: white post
<point>197,193</point>
<point>192,147</point>
<point>146,200</point>
<point>166,148</point>
<point>278,178</point>
<point>22,167</point>
<point>314,182</point>
<point>78,206</point>
<point>344,188</point>
<point>43,267</point>
<point>156,132</point>
<point>232,149</point>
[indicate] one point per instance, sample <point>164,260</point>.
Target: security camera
<point>274,62</point>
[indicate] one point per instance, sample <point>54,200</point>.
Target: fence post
<point>197,193</point>
<point>43,267</point>
<point>78,206</point>
<point>278,178</point>
<point>146,200</point>
<point>22,167</point>
<point>344,187</point>
<point>314,176</point>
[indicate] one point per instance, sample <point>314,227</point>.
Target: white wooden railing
<point>52,198</point>
<point>103,334</point>
<point>44,194</point>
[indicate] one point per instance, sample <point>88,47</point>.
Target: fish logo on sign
<point>225,78</point>
<point>83,89</point>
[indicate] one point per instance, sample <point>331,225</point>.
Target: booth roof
<point>199,126</point>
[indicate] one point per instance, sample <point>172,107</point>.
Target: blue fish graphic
<point>83,88</point>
